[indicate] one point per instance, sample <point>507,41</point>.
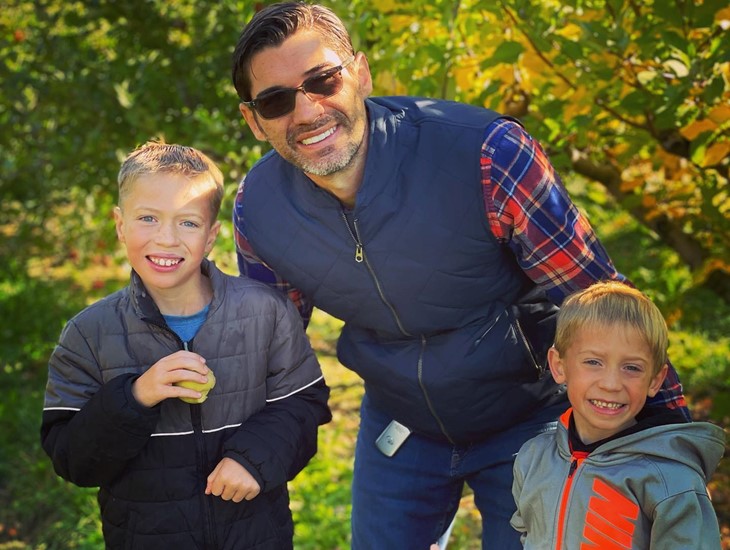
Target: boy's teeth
<point>164,262</point>
<point>318,138</point>
<point>606,404</point>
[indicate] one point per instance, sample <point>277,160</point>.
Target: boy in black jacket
<point>129,405</point>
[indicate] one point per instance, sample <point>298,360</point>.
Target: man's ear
<point>657,381</point>
<point>556,365</point>
<point>252,120</point>
<point>364,77</point>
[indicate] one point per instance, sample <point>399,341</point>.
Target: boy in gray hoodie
<point>616,474</point>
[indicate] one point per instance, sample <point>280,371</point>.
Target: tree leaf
<point>506,52</point>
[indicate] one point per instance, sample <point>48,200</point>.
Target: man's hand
<point>231,481</point>
<point>157,383</point>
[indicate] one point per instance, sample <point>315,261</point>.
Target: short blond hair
<point>156,157</point>
<point>613,303</point>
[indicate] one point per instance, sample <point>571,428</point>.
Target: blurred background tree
<point>631,100</point>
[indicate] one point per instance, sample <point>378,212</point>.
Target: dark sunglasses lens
<point>276,104</point>
<point>324,85</point>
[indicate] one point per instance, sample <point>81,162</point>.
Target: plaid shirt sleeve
<point>529,210</point>
<point>250,265</point>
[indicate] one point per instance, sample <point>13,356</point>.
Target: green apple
<point>198,386</point>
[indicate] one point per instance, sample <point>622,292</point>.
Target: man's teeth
<point>606,404</point>
<point>318,138</point>
<point>164,262</point>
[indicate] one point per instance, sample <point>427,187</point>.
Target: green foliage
<point>85,82</point>
<point>34,311</point>
<point>39,508</point>
<point>626,93</point>
<point>320,501</point>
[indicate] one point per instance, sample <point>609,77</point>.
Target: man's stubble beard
<point>332,160</point>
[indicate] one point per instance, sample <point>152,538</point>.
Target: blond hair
<point>611,303</point>
<point>156,157</point>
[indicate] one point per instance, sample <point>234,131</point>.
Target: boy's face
<point>609,373</point>
<point>166,225</point>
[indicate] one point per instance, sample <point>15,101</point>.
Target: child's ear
<point>119,223</point>
<point>556,365</point>
<point>657,381</point>
<point>212,235</point>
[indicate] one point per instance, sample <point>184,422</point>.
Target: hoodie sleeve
<point>277,442</point>
<point>518,480</point>
<point>686,520</point>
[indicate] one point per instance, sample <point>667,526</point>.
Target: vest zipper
<point>360,257</point>
<point>425,393</point>
<point>488,329</point>
<point>528,347</point>
<point>196,418</point>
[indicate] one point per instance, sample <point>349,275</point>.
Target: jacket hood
<point>699,445</point>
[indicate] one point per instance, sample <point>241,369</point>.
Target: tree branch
<point>690,251</point>
<point>598,101</point>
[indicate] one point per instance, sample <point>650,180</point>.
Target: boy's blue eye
<point>190,224</point>
<point>147,218</point>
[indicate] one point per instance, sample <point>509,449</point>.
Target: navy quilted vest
<point>430,309</point>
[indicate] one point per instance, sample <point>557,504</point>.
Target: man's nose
<point>306,108</point>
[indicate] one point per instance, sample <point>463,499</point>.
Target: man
<point>441,235</point>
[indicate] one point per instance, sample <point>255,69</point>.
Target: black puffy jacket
<point>151,464</point>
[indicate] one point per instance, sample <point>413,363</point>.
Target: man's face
<point>321,137</point>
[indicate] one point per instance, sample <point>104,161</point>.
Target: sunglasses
<point>281,102</point>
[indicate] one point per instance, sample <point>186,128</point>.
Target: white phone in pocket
<point>393,436</point>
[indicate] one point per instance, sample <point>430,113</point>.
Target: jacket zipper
<point>577,459</point>
<point>197,421</point>
<point>361,257</point>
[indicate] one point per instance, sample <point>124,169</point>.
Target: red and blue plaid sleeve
<point>529,210</point>
<point>250,265</point>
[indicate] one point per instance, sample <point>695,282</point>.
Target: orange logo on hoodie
<point>610,520</point>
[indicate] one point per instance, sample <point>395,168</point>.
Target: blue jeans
<point>407,501</point>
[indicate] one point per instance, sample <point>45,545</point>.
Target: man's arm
<point>529,210</point>
<point>250,265</point>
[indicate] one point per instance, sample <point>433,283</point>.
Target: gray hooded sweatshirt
<point>643,490</point>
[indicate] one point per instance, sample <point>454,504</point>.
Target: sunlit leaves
<point>616,82</point>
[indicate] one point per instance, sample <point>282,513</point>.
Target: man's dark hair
<point>273,25</point>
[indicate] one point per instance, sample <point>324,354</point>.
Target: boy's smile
<point>609,373</point>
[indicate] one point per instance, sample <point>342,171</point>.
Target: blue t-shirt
<point>186,326</point>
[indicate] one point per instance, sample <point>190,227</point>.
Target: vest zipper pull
<point>358,253</point>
